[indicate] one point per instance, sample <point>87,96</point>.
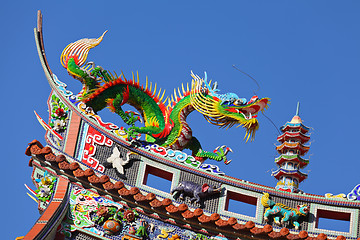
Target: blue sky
<point>305,51</point>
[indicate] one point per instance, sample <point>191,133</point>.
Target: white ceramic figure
<point>117,161</point>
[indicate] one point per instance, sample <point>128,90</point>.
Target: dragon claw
<point>221,148</point>
<point>131,134</point>
<point>133,117</point>
<point>228,150</point>
<point>227,161</point>
<point>222,151</point>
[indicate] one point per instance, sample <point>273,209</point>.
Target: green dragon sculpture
<point>164,125</point>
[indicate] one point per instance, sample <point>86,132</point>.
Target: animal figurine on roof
<point>279,210</point>
<point>118,161</point>
<point>194,190</point>
<point>163,125</point>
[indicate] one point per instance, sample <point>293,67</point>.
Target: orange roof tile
<point>247,229</point>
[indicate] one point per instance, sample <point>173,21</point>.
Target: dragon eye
<point>239,102</point>
<point>228,103</point>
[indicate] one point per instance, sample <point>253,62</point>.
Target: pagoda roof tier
<point>291,158</point>
<point>294,173</point>
<point>293,135</point>
<point>304,129</point>
<point>301,149</point>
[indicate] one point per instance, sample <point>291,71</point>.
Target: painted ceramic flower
<point>44,191</point>
<point>59,125</point>
<point>102,211</point>
<point>59,112</point>
<point>132,230</point>
<point>129,215</point>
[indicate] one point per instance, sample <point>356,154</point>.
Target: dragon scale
<point>185,132</point>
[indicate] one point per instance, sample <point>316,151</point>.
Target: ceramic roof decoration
<point>291,150</point>
<point>163,125</point>
<point>95,174</point>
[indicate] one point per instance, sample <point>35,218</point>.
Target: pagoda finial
<point>296,118</point>
<point>297,109</point>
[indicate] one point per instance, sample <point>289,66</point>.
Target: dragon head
<point>226,110</point>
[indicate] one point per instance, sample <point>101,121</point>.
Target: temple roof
<point>295,126</point>
<point>302,149</point>
<point>295,123</point>
<point>291,158</point>
<point>284,172</point>
<point>104,187</point>
<point>293,135</point>
<point>68,169</point>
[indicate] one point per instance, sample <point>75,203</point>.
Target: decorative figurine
<point>111,227</point>
<point>195,190</point>
<point>132,230</point>
<point>164,125</point>
<point>142,229</point>
<point>117,161</point>
<point>281,210</point>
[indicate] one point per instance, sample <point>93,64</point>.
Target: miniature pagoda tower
<point>291,149</point>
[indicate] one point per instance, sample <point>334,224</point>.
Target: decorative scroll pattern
<point>354,194</point>
<point>182,157</point>
<point>94,137</point>
<point>340,195</point>
<point>62,86</point>
<point>89,112</point>
<point>212,168</point>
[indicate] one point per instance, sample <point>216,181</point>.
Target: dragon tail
<point>79,50</point>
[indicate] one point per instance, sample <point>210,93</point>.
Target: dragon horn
<point>79,49</point>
